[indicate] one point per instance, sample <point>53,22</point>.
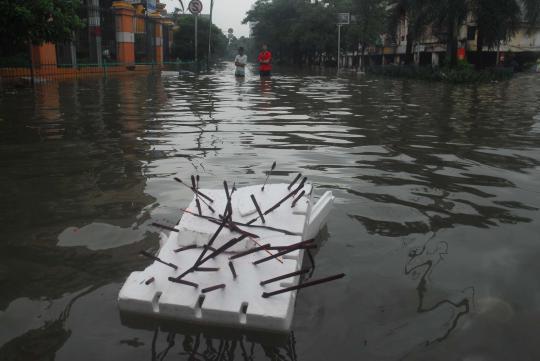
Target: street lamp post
<point>343,19</point>
<point>196,40</point>
<point>338,45</point>
<point>195,7</point>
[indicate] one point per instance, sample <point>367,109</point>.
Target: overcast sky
<point>227,13</point>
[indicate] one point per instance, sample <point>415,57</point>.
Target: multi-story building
<point>431,47</point>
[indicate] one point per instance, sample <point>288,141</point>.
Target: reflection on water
<point>196,343</point>
<point>420,266</point>
<point>436,223</point>
<point>41,343</point>
<point>199,347</point>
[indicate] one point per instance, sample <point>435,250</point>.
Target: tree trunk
<point>451,46</point>
<point>479,50</point>
<point>408,49</point>
<point>32,65</point>
<point>363,59</point>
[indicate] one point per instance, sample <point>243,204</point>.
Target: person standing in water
<point>240,61</point>
<point>265,62</point>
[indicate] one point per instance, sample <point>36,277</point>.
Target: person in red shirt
<point>265,61</point>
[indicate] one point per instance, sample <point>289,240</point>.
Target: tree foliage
<point>497,21</point>
<point>250,48</point>
<point>38,21</point>
<point>184,39</point>
<point>300,31</point>
<point>369,19</point>
<point>291,28</point>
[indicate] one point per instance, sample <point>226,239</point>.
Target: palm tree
<point>498,20</point>
<point>532,12</point>
<point>448,15</point>
<point>367,25</point>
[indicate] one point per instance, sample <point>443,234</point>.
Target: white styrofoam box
<point>224,306</point>
<point>240,303</point>
<point>284,217</point>
<point>318,215</point>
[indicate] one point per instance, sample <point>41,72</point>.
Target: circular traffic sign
<point>195,7</point>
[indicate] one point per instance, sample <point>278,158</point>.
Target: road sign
<point>343,18</point>
<point>195,7</point>
<point>151,5</point>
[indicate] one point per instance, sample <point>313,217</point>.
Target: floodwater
<point>436,221</point>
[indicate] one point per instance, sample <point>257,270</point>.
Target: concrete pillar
<point>44,55</point>
<point>48,109</point>
<point>73,54</point>
<point>94,32</point>
<point>158,37</point>
<point>125,39</point>
<point>434,59</point>
<point>168,35</point>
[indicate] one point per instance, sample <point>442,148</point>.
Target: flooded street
<point>436,220</point>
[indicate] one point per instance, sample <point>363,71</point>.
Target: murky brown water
<point>436,222</point>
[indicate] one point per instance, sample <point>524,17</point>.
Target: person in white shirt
<point>240,61</point>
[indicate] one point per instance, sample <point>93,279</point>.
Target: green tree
<point>313,33</point>
<point>498,21</point>
<point>296,30</point>
<point>367,26</point>
<point>448,15</point>
<point>184,38</point>
<point>37,21</point>
<point>532,12</point>
<point>250,48</point>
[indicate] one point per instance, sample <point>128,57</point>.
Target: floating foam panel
<point>240,302</point>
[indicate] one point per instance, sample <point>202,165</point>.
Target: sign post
<point>343,19</point>
<point>338,46</point>
<point>210,34</point>
<point>195,7</point>
<point>196,40</point>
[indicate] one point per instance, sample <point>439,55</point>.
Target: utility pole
<point>196,41</point>
<point>210,35</point>
<point>195,7</point>
<point>343,19</point>
<point>338,45</point>
<point>497,63</point>
<point>94,32</point>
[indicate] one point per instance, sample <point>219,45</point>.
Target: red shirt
<point>263,56</point>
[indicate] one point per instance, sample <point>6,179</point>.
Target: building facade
<point>431,47</point>
<point>116,33</point>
